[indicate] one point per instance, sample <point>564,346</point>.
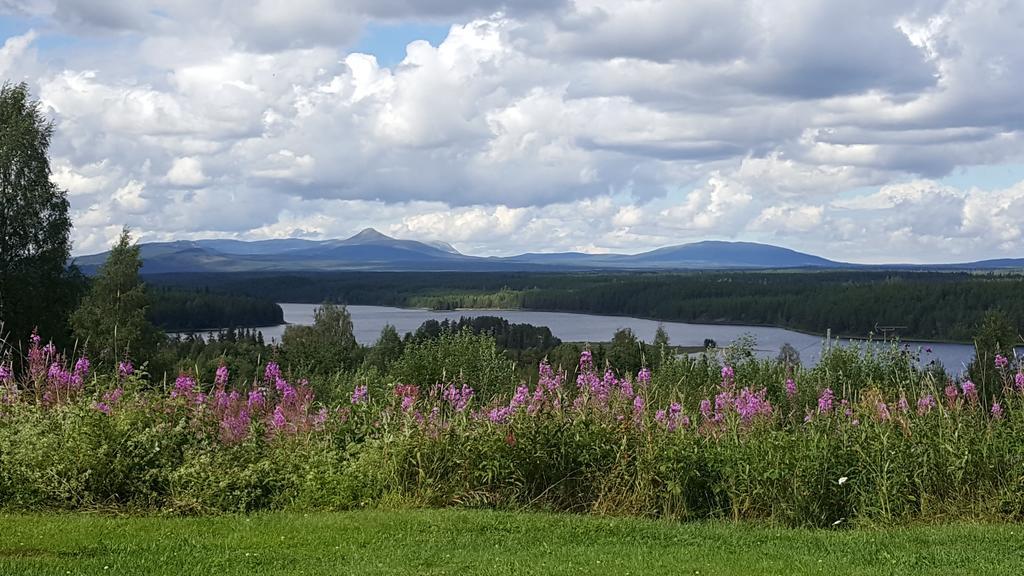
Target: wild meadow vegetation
<point>865,437</point>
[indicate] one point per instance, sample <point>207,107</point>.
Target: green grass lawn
<point>480,542</point>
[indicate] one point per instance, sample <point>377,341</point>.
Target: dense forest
<point>178,310</point>
<point>928,305</point>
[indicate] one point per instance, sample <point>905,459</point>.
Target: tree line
<point>913,304</point>
<point>176,310</point>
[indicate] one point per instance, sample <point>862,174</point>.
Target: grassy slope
<point>479,542</point>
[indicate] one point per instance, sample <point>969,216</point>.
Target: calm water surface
<point>369,320</point>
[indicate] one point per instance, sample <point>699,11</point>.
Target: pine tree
<point>37,289</point>
<point>111,321</point>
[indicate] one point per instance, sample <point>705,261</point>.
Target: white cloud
<point>186,172</point>
<point>590,125</point>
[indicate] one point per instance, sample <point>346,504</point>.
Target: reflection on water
<point>369,320</point>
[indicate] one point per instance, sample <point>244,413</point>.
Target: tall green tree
<point>326,347</point>
<point>626,352</point>
<point>996,335</point>
<point>37,289</point>
<point>111,321</point>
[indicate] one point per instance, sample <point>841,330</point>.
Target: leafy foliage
<point>37,290</point>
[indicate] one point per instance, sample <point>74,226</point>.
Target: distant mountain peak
<point>369,235</point>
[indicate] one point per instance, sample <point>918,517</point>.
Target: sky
<point>869,131</point>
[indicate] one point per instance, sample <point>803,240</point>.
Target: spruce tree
<point>111,322</point>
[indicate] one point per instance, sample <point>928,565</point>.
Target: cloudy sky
<point>864,131</point>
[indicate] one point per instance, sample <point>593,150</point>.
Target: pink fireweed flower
<point>110,399</point>
<point>790,388</point>
<point>638,406</point>
<point>272,373</point>
<point>537,401</point>
<point>705,408</point>
<point>825,401</point>
<point>499,414</point>
<point>970,390</point>
<point>883,412</point>
<point>545,370</point>
<point>125,369</point>
<point>359,394</point>
<point>114,396</point>
<point>587,380</point>
<point>256,400</point>
<point>458,398</point>
<point>407,403</point>
<point>750,404</point>
<point>925,404</point>
<point>723,401</point>
<point>221,399</point>
<point>644,376</point>
<point>1019,381</point>
<point>675,418</point>
<point>1001,361</point>
<point>997,411</point>
<point>278,420</point>
<point>522,395</point>
<point>184,386</point>
<point>6,374</point>
<point>549,380</point>
<point>902,405</point>
<point>320,418</point>
<point>221,378</point>
<point>234,425</point>
<point>728,375</point>
<point>602,389</point>
<point>626,387</point>
<point>82,367</point>
<point>952,394</point>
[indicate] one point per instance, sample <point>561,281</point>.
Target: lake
<point>369,320</point>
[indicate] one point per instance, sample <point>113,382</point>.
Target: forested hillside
<point>931,305</point>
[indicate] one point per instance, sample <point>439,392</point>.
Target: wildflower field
<point>866,438</point>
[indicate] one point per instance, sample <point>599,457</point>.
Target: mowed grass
<point>480,542</point>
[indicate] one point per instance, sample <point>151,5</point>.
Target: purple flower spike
<point>359,394</point>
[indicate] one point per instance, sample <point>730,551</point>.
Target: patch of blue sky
<point>387,41</point>
<point>989,177</point>
<point>11,26</point>
<point>48,39</point>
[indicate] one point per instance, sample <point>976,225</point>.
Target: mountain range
<point>372,251</point>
